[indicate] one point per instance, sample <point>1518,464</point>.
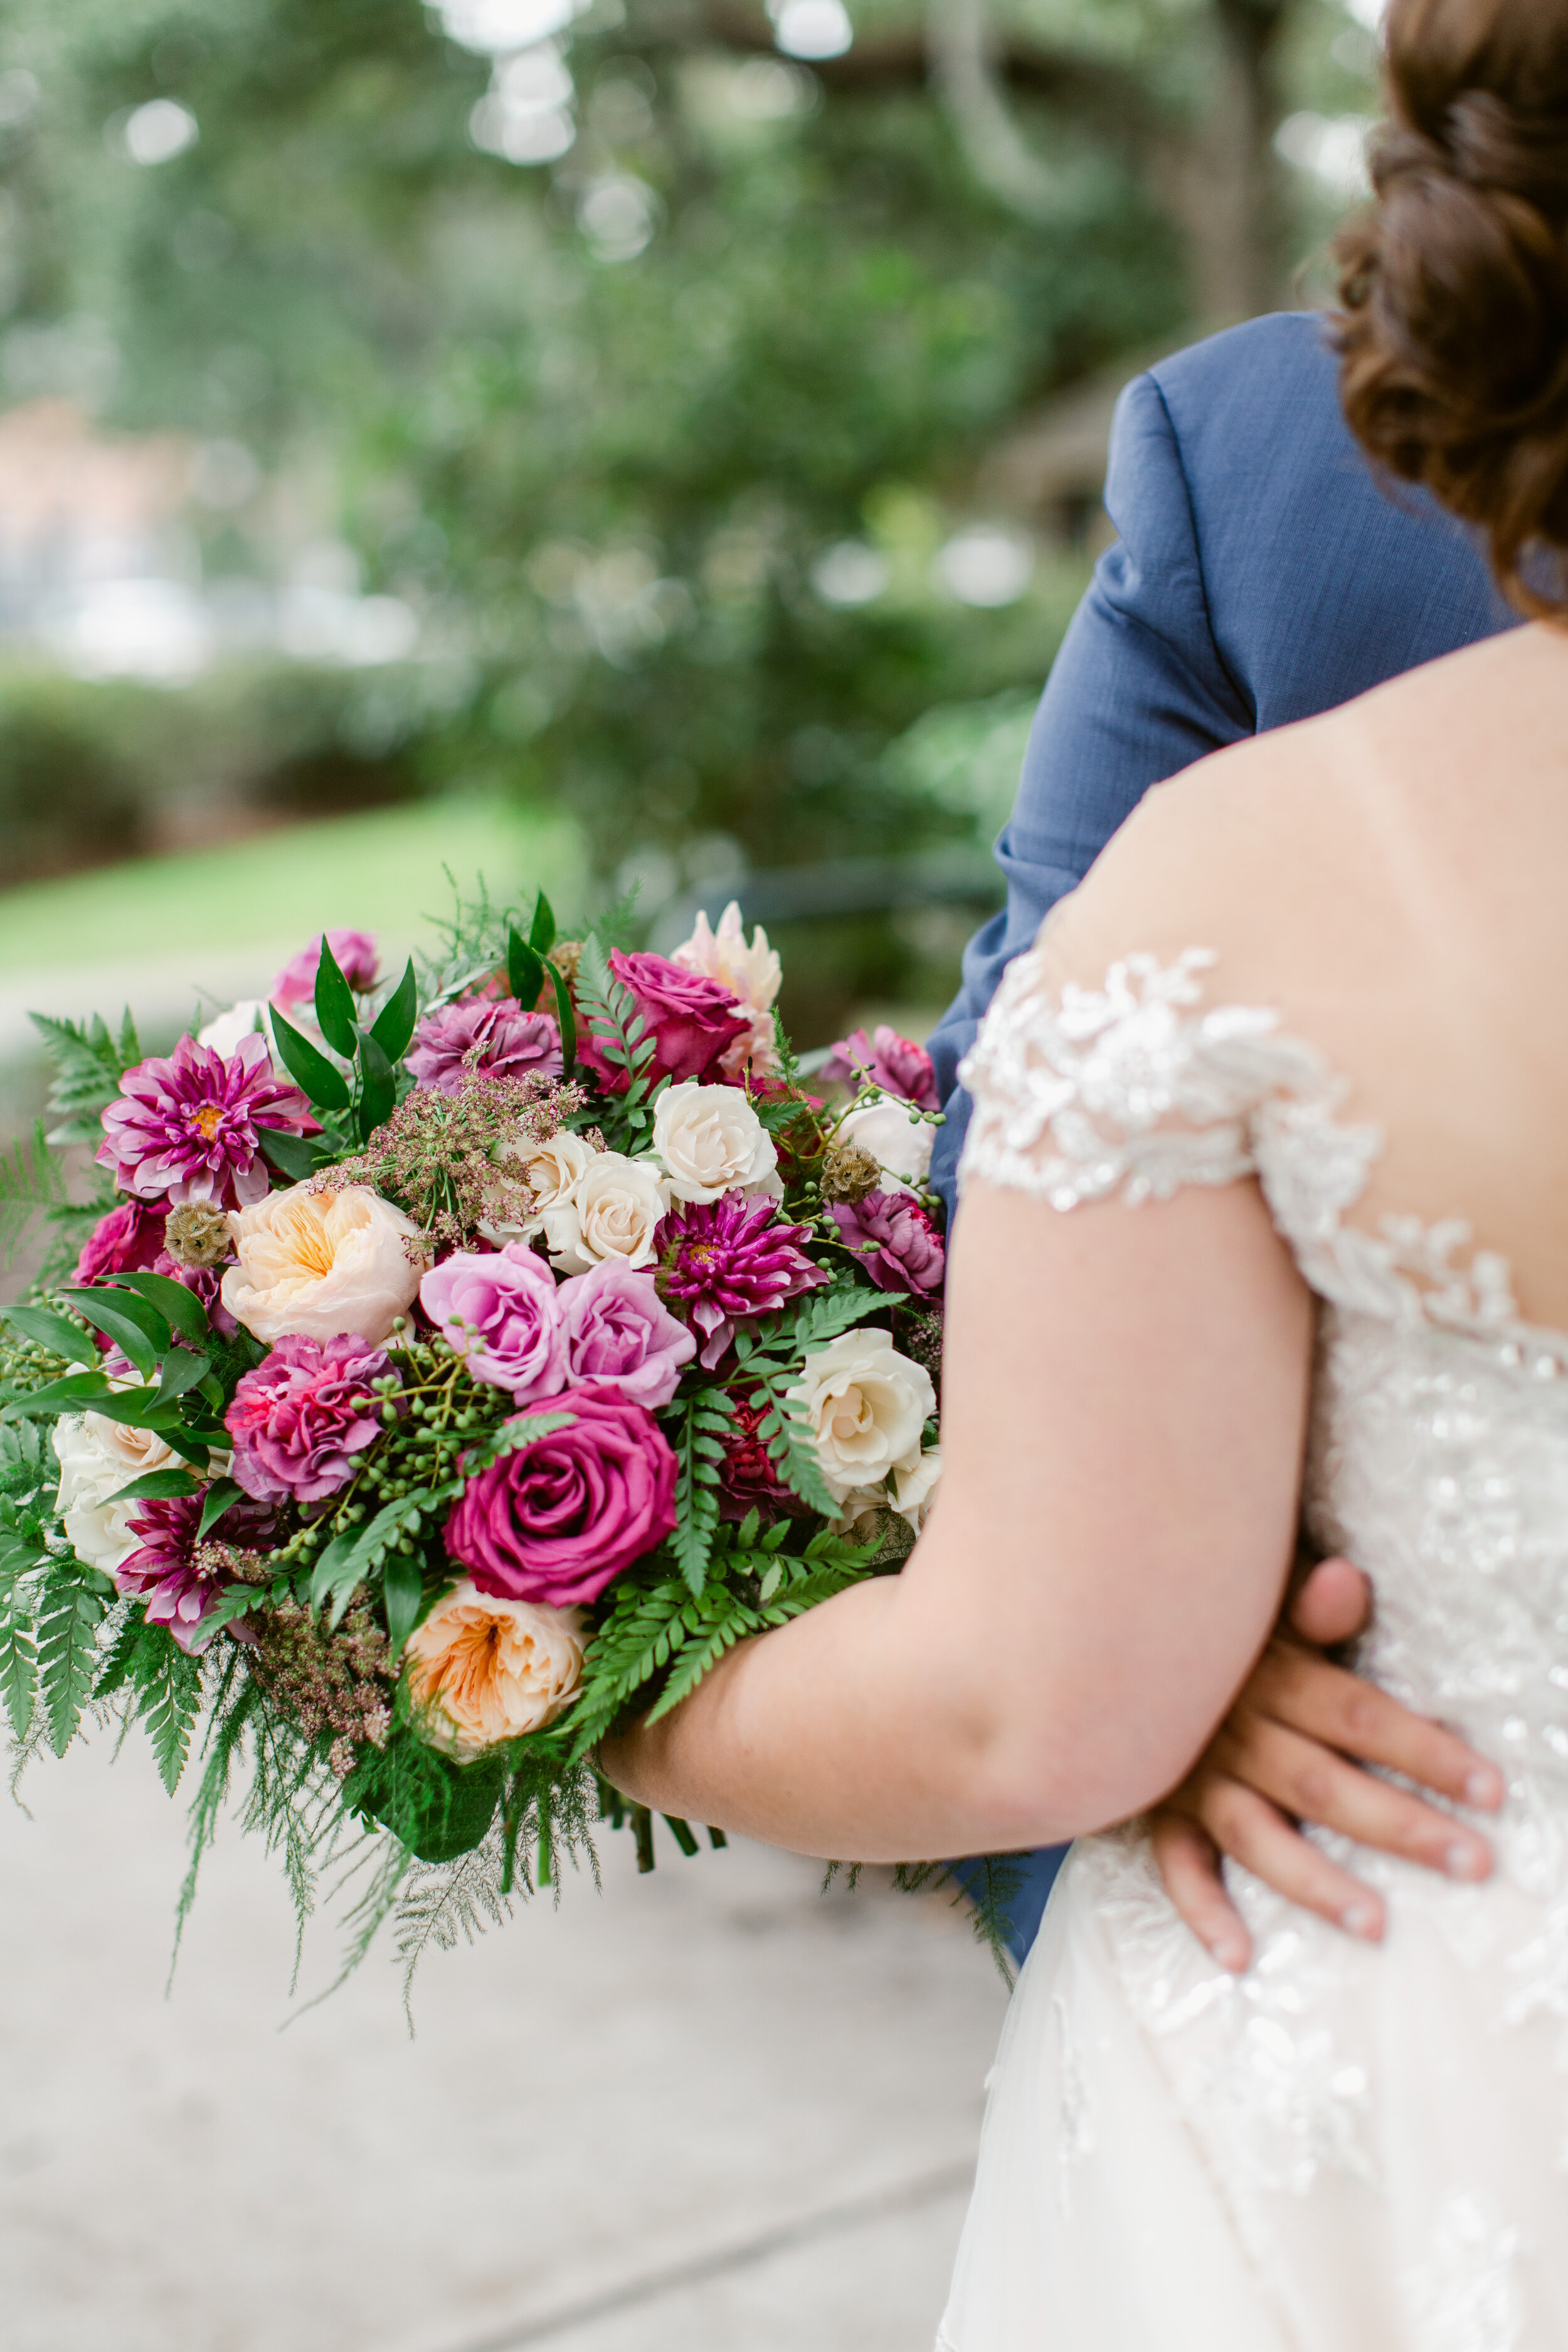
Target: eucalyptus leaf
<point>183,1370</point>
<point>76,1393</point>
<point>541,930</point>
<point>394,1024</point>
<point>137,1329</point>
<point>157,1486</point>
<point>378,1088</point>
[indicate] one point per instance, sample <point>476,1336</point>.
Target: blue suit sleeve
<point>1138,692</point>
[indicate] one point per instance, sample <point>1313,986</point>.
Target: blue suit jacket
<point>1262,574</point>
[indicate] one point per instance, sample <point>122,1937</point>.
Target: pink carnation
<point>895,1063</point>
<point>128,1240</point>
<point>355,955</point>
<point>894,1239</point>
<point>189,1127</point>
<point>498,1037</point>
<point>693,1022</point>
<point>299,1420</point>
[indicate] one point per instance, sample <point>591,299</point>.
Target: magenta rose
<point>895,1063</point>
<point>557,1520</point>
<point>692,1020</point>
<point>130,1240</point>
<point>353,952</point>
<point>500,1310</point>
<point>499,1037</point>
<point>894,1239</point>
<point>299,1420</point>
<point>619,1333</point>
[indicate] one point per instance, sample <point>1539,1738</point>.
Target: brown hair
<point>1454,330</point>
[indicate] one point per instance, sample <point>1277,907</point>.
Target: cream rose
<point>753,974</point>
<point>611,1211</point>
<point>710,1141</point>
<point>550,1169</point>
<point>914,1488</point>
<point>482,1669</point>
<point>97,1457</point>
<point>323,1264</point>
<point>900,1146</point>
<point>865,1406</point>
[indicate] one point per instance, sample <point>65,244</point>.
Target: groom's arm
<point>1138,692</point>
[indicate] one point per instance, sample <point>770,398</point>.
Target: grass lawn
<point>381,872</point>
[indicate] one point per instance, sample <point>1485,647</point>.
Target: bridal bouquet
<point>448,1368</point>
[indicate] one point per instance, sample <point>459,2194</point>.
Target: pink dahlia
<point>177,1574</point>
<point>498,1037</point>
<point>299,1419</point>
<point>130,1240</point>
<point>189,1127</point>
<point>895,1063</point>
<point>723,1260</point>
<point>354,952</point>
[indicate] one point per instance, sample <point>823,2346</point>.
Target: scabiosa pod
<point>725,1260</point>
<point>188,1125</point>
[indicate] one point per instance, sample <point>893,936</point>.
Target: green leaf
<point>70,1611</point>
<point>349,1558</point>
<point>170,1700</point>
<point>75,1393</point>
<point>157,1486</point>
<point>221,1496</point>
<point>541,930</point>
<point>133,1324</point>
<point>180,1308</point>
<point>88,1066</point>
<point>297,1157</point>
<point>378,1088</point>
<point>326,1086</point>
<point>183,1370</point>
<point>53,1332</point>
<point>234,1600</point>
<point>335,1007</point>
<point>566,1017</point>
<point>525,970</point>
<point>18,1658</point>
<point>403,1586</point>
<point>394,1024</point>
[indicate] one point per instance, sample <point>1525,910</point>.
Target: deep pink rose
<point>299,1420</point>
<point>619,1334</point>
<point>355,955</point>
<point>895,1063</point>
<point>500,1310</point>
<point>130,1240</point>
<point>558,1519</point>
<point>500,1038</point>
<point>894,1239</point>
<point>692,1020</point>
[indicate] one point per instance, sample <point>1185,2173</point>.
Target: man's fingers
<point>1316,1785</point>
<point>1325,1704</point>
<point>1189,1863</point>
<point>1258,1836</point>
<point>1332,1605</point>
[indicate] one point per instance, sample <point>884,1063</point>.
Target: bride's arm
<point>1125,1395</point>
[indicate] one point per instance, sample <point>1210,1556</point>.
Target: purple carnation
<point>895,1063</point>
<point>726,1259</point>
<point>894,1239</point>
<point>499,1037</point>
<point>557,1520</point>
<point>498,1309</point>
<point>176,1572</point>
<point>353,952</point>
<point>189,1127</point>
<point>130,1240</point>
<point>299,1420</point>
<point>617,1333</point>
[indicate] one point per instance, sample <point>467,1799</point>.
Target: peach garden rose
<point>482,1669</point>
<point>323,1264</point>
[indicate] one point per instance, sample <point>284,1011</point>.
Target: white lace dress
<point>1351,2148</point>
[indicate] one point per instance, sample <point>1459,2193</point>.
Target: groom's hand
<point>1293,1749</point>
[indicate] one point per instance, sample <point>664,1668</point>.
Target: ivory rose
<point>865,1406</point>
<point>482,1669</point>
<point>710,1142</point>
<point>611,1211</point>
<point>323,1264</point>
<point>550,1171</point>
<point>900,1146</point>
<point>97,1458</point>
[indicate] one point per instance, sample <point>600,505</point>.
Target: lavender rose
<point>498,1309</point>
<point>894,1239</point>
<point>693,1022</point>
<point>128,1240</point>
<point>299,1420</point>
<point>474,1035</point>
<point>618,1334</point>
<point>557,1520</point>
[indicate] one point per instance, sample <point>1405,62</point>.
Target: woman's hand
<point>1295,1748</point>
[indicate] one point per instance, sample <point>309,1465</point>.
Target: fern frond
<point>32,1182</point>
<point>71,1608</point>
<point>170,1699</point>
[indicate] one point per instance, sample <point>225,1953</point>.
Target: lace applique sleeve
<point>1133,1089</point>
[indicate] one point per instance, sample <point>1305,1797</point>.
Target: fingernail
<point>1464,1862</point>
<point>1484,1789</point>
<point>1229,1956</point>
<point>1358,1920</point>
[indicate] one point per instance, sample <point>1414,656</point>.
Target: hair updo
<point>1454,332</point>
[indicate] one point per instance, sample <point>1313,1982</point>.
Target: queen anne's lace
<point>1438,1459</point>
